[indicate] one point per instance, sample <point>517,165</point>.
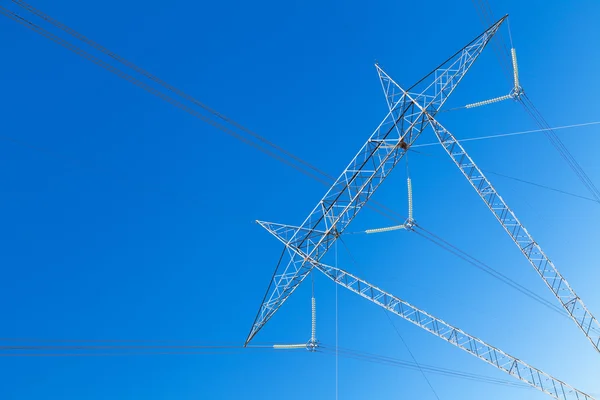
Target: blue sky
<point>125,218</point>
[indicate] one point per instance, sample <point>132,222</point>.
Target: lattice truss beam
<point>368,169</point>
<point>455,336</point>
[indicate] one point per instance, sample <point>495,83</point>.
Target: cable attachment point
<point>408,224</point>
<point>313,343</point>
<point>336,233</point>
<point>515,92</point>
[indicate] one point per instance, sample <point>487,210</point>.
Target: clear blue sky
<point>122,217</point>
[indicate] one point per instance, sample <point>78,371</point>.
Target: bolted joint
<point>516,92</point>
<point>334,231</point>
<point>410,224</point>
<point>312,345</point>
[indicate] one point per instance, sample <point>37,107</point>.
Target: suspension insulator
<point>410,201</point>
<point>313,334</point>
<point>289,346</point>
<point>513,53</point>
<point>390,228</point>
<point>490,101</point>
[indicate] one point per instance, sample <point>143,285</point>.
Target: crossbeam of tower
<point>503,361</point>
<point>492,355</point>
<point>363,175</point>
<point>532,251</point>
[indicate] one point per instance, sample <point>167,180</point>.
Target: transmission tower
<point>410,111</point>
<point>310,241</point>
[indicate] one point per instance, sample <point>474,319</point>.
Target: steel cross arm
<point>472,345</point>
<point>367,170</point>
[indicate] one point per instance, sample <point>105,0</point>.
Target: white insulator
<point>289,346</point>
<point>513,53</point>
<point>410,202</point>
<point>388,229</point>
<point>313,333</point>
<point>490,101</point>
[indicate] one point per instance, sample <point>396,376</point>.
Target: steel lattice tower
<point>410,112</point>
<point>383,150</point>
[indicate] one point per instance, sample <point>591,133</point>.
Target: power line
<point>430,236</point>
<point>336,332</point>
<point>449,247</point>
<point>541,186</point>
<point>514,179</point>
<point>485,16</point>
<point>155,92</point>
<point>124,347</point>
<point>79,341</point>
<point>548,131</point>
<point>122,354</point>
<point>80,349</point>
<point>166,85</point>
<point>412,356</point>
<point>379,208</point>
<point>501,135</point>
<point>137,351</point>
<point>415,365</point>
<point>69,46</point>
<point>206,349</point>
<point>375,205</point>
<point>560,146</point>
<point>390,361</point>
<point>170,88</point>
<point>386,314</point>
<point>437,240</point>
<point>395,329</point>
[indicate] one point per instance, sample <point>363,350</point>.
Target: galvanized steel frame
<point>367,170</point>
